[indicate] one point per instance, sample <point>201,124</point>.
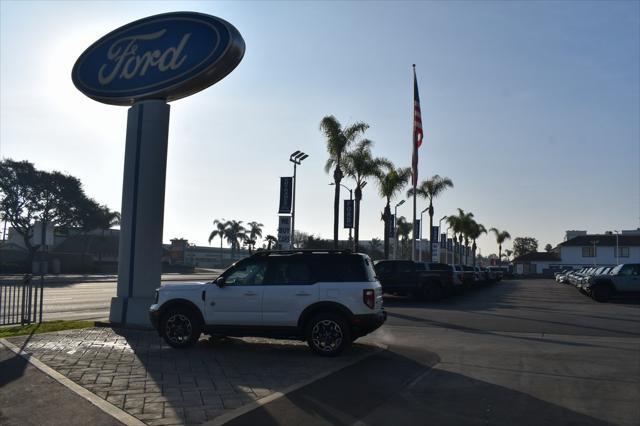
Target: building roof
<point>603,240</point>
<point>539,256</point>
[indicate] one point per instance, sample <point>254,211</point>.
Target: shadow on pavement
<point>391,389</point>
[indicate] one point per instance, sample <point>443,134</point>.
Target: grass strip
<point>44,327</point>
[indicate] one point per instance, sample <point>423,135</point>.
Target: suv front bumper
<point>365,324</point>
<point>154,316</point>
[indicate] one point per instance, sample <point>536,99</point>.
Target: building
<point>536,263</point>
<point>601,249</point>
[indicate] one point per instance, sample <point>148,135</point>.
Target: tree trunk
<point>356,231</point>
<point>386,217</point>
<point>499,254</point>
<point>473,252</point>
<point>337,177</point>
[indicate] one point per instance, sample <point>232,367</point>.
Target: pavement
<point>524,352</point>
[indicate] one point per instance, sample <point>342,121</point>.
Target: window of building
<point>623,251</point>
<point>589,251</point>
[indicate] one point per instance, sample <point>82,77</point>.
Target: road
<point>91,300</point>
<point>527,352</point>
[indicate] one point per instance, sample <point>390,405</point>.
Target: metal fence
<point>21,302</point>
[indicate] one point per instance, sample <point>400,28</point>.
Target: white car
<point>328,298</point>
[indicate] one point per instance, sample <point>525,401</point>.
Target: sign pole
<point>140,252</point>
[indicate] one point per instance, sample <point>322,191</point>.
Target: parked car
<point>498,271</point>
<point>406,277</point>
<point>585,279</point>
<point>475,276</point>
<point>328,298</point>
<point>466,274</point>
<point>561,277</point>
<point>450,276</point>
<point>623,280</point>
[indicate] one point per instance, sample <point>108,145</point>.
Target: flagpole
<point>415,181</point>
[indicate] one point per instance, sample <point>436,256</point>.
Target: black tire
<point>328,334</point>
<point>601,293</point>
<point>180,327</point>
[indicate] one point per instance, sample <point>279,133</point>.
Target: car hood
<point>183,286</point>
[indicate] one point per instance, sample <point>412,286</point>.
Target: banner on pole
<point>449,244</point>
<point>284,229</point>
<point>418,231</point>
<point>286,194</point>
<point>348,213</point>
<point>435,231</point>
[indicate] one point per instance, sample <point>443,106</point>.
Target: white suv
<point>328,298</point>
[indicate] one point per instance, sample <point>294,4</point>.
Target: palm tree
<point>507,254</point>
<point>255,232</point>
<point>476,229</point>
<point>110,219</point>
<point>390,183</point>
<point>376,244</point>
<point>430,189</point>
<point>220,231</point>
<point>360,164</point>
<point>404,230</point>
<point>501,237</point>
<point>338,140</point>
<point>270,239</point>
<point>462,227</point>
<point>234,234</point>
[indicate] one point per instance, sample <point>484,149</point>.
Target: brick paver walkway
<point>137,372</point>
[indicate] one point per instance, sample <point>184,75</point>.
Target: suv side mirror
<point>219,281</point>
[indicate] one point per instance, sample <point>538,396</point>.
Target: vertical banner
<point>286,193</point>
<point>449,244</point>
<point>348,213</point>
<point>284,229</point>
<point>392,226</point>
<point>435,252</point>
<point>443,241</point>
<point>418,233</point>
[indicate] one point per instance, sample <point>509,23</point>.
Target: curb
<point>102,404</point>
<point>276,395</point>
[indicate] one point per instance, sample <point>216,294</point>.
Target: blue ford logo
<point>166,56</point>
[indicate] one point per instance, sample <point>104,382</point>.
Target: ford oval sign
<point>166,56</point>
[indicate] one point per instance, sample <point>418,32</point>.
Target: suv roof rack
<point>302,251</point>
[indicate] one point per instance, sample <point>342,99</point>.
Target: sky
<point>531,108</point>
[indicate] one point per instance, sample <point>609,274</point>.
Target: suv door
<point>628,279</point>
<point>239,300</point>
<point>289,287</point>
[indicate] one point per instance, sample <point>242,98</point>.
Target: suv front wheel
<point>328,334</point>
<point>180,327</point>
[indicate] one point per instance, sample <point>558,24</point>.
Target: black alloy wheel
<point>180,328</point>
<point>328,334</point>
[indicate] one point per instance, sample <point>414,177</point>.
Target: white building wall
<point>572,255</point>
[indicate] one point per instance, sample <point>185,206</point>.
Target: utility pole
<point>296,158</point>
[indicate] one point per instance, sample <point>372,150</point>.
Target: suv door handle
<point>249,293</point>
<point>303,293</point>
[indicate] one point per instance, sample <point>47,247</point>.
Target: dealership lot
<point>516,352</point>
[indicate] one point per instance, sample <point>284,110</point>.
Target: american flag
<point>417,129</point>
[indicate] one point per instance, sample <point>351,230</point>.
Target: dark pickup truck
<point>421,280</point>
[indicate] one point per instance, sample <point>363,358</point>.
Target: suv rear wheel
<point>601,293</point>
<point>180,327</point>
<point>328,334</point>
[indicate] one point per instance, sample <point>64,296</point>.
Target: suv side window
<point>339,268</point>
<point>405,267</point>
<point>249,272</point>
<point>289,270</point>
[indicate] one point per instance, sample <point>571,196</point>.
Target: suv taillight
<point>369,298</point>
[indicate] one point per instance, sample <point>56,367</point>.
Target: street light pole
<point>296,158</point>
<point>594,242</point>
<point>446,246</point>
<point>421,235</point>
<point>395,229</point>
<point>440,231</point>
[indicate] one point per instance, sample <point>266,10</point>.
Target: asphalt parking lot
<point>525,352</point>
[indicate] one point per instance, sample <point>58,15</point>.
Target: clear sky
<point>531,108</point>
